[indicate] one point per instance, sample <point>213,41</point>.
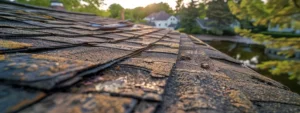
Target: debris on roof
<point>56,61</point>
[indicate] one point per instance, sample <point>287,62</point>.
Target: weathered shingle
<point>57,61</point>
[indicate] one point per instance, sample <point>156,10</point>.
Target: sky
<point>137,3</point>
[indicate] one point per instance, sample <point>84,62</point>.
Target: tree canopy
<point>43,3</point>
<point>178,6</point>
<point>115,10</point>
<point>188,17</point>
<point>219,12</point>
<point>272,12</point>
<point>284,13</point>
<point>156,7</point>
<point>90,6</point>
<point>139,13</point>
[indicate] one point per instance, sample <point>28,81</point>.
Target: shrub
<point>215,31</point>
<point>259,28</point>
<point>229,32</point>
<point>196,30</point>
<point>181,29</point>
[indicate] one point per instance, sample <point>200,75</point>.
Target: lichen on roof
<point>57,61</point>
<point>13,45</point>
<point>2,57</point>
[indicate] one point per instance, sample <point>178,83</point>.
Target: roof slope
<point>55,61</point>
<point>162,15</point>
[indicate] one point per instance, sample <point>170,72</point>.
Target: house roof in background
<point>162,15</point>
<point>57,61</point>
<point>151,15</point>
<point>206,23</point>
<point>209,23</point>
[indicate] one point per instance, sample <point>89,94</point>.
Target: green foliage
<point>216,32</point>
<point>283,67</point>
<point>292,43</point>
<point>115,10</point>
<point>139,13</point>
<point>259,28</point>
<point>188,17</point>
<point>156,7</point>
<point>273,12</point>
<point>196,30</point>
<point>178,5</point>
<point>91,6</point>
<point>278,67</point>
<point>246,24</point>
<point>202,10</point>
<point>281,34</point>
<point>229,32</point>
<point>219,12</point>
<point>181,30</point>
<point>141,21</point>
<point>43,3</point>
<point>103,13</point>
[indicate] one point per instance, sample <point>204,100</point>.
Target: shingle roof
<point>151,15</point>
<point>56,61</point>
<point>162,15</point>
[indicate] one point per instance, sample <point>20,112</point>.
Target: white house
<point>162,20</point>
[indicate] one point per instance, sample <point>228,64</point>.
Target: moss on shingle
<point>13,45</point>
<point>2,57</point>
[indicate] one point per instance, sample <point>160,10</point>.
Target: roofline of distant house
<point>44,8</point>
<point>150,16</point>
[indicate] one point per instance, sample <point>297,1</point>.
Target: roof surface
<point>57,62</point>
<point>162,15</point>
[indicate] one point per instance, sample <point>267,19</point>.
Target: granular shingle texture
<point>63,62</point>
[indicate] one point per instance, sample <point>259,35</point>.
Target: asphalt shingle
<point>58,61</point>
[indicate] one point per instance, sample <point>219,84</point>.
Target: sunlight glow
<point>139,3</point>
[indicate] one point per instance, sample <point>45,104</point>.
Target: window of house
<point>166,24</point>
<point>158,24</point>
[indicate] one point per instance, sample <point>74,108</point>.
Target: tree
<point>90,6</point>
<point>219,12</point>
<point>138,13</point>
<point>156,7</point>
<point>202,10</point>
<point>272,12</point>
<point>43,3</point>
<point>188,17</point>
<point>115,10</point>
<point>178,5</point>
